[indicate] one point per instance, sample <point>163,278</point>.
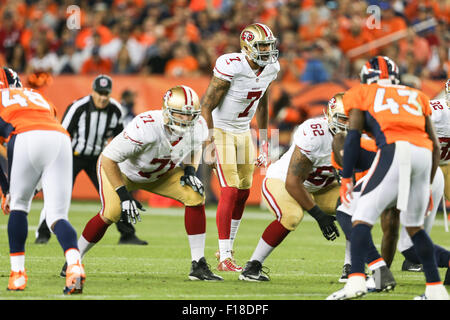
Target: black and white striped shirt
<point>89,127</point>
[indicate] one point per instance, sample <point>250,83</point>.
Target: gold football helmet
<point>181,109</point>
<point>337,120</point>
<point>252,37</point>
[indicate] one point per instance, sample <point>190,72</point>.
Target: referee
<point>91,121</point>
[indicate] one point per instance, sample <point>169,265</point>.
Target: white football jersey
<point>236,110</point>
<point>440,115</point>
<point>144,150</point>
<point>313,138</point>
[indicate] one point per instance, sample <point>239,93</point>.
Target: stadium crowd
<point>184,38</point>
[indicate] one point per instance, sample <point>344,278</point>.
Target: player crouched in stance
<point>398,117</point>
<point>302,179</point>
<point>28,122</point>
<point>156,152</point>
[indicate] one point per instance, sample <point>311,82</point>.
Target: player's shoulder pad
<point>145,127</point>
<point>228,66</point>
<point>310,134</point>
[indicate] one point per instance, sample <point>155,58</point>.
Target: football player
<point>158,152</point>
<point>398,117</point>
<point>302,179</point>
<point>29,124</point>
<point>238,90</point>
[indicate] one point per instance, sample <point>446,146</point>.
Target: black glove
<point>129,205</point>
<point>326,223</point>
<point>191,180</point>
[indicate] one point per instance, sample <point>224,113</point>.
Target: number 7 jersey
<point>236,110</point>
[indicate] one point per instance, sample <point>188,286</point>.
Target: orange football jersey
<point>24,110</point>
<point>394,112</point>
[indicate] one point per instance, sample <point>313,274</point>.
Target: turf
<point>304,267</point>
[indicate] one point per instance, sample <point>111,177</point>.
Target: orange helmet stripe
<point>383,68</point>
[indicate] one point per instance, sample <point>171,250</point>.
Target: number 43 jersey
<point>313,139</point>
<point>145,151</point>
<point>235,112</point>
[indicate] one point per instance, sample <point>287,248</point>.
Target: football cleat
<point>434,292</point>
<point>17,281</point>
<point>354,288</point>
<point>200,271</point>
<point>411,266</point>
<point>253,271</point>
<point>384,280</point>
<point>75,278</point>
<point>229,265</point>
<point>345,272</point>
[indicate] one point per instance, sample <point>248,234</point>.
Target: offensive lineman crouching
<point>156,152</point>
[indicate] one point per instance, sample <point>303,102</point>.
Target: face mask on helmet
<point>181,109</point>
<point>9,78</point>
<point>335,114</point>
<point>259,44</point>
<point>379,68</point>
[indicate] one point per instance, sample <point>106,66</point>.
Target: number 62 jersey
<point>440,115</point>
<point>236,110</point>
<point>314,140</point>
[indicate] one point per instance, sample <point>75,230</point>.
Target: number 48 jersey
<point>313,139</point>
<point>144,150</point>
<point>236,110</point>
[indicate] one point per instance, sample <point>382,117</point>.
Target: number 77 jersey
<point>392,112</point>
<point>23,110</point>
<point>236,110</point>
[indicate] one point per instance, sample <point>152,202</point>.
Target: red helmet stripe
<point>383,68</point>
<point>187,96</point>
<point>264,29</point>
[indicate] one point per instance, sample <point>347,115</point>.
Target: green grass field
<point>304,267</point>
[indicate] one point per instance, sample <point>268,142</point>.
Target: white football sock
<point>17,262</point>
<point>348,257</point>
<point>262,251</point>
<point>233,231</point>
<point>84,246</point>
<point>197,245</point>
<point>224,249</point>
<point>73,256</point>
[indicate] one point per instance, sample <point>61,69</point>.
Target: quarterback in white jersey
<point>237,92</point>
<point>158,152</point>
<point>302,179</point>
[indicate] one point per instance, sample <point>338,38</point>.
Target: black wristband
<point>123,193</point>
<point>189,171</point>
<point>316,212</point>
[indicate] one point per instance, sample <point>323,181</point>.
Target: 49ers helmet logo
<point>332,103</point>
<point>247,36</point>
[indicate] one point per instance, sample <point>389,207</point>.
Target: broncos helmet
<point>9,78</point>
<point>335,114</point>
<point>379,68</point>
<point>252,37</point>
<point>181,100</point>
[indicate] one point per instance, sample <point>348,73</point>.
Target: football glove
<point>191,180</point>
<point>5,203</point>
<point>326,223</point>
<point>129,205</point>
<point>346,191</point>
<point>263,157</point>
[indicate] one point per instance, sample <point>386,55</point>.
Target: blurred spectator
<point>17,59</point>
<point>315,71</point>
<point>44,60</point>
<point>70,60</point>
<point>183,64</point>
<point>128,98</point>
<point>157,56</point>
<point>9,34</point>
<point>96,64</point>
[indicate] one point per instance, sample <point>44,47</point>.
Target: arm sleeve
<point>351,152</point>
